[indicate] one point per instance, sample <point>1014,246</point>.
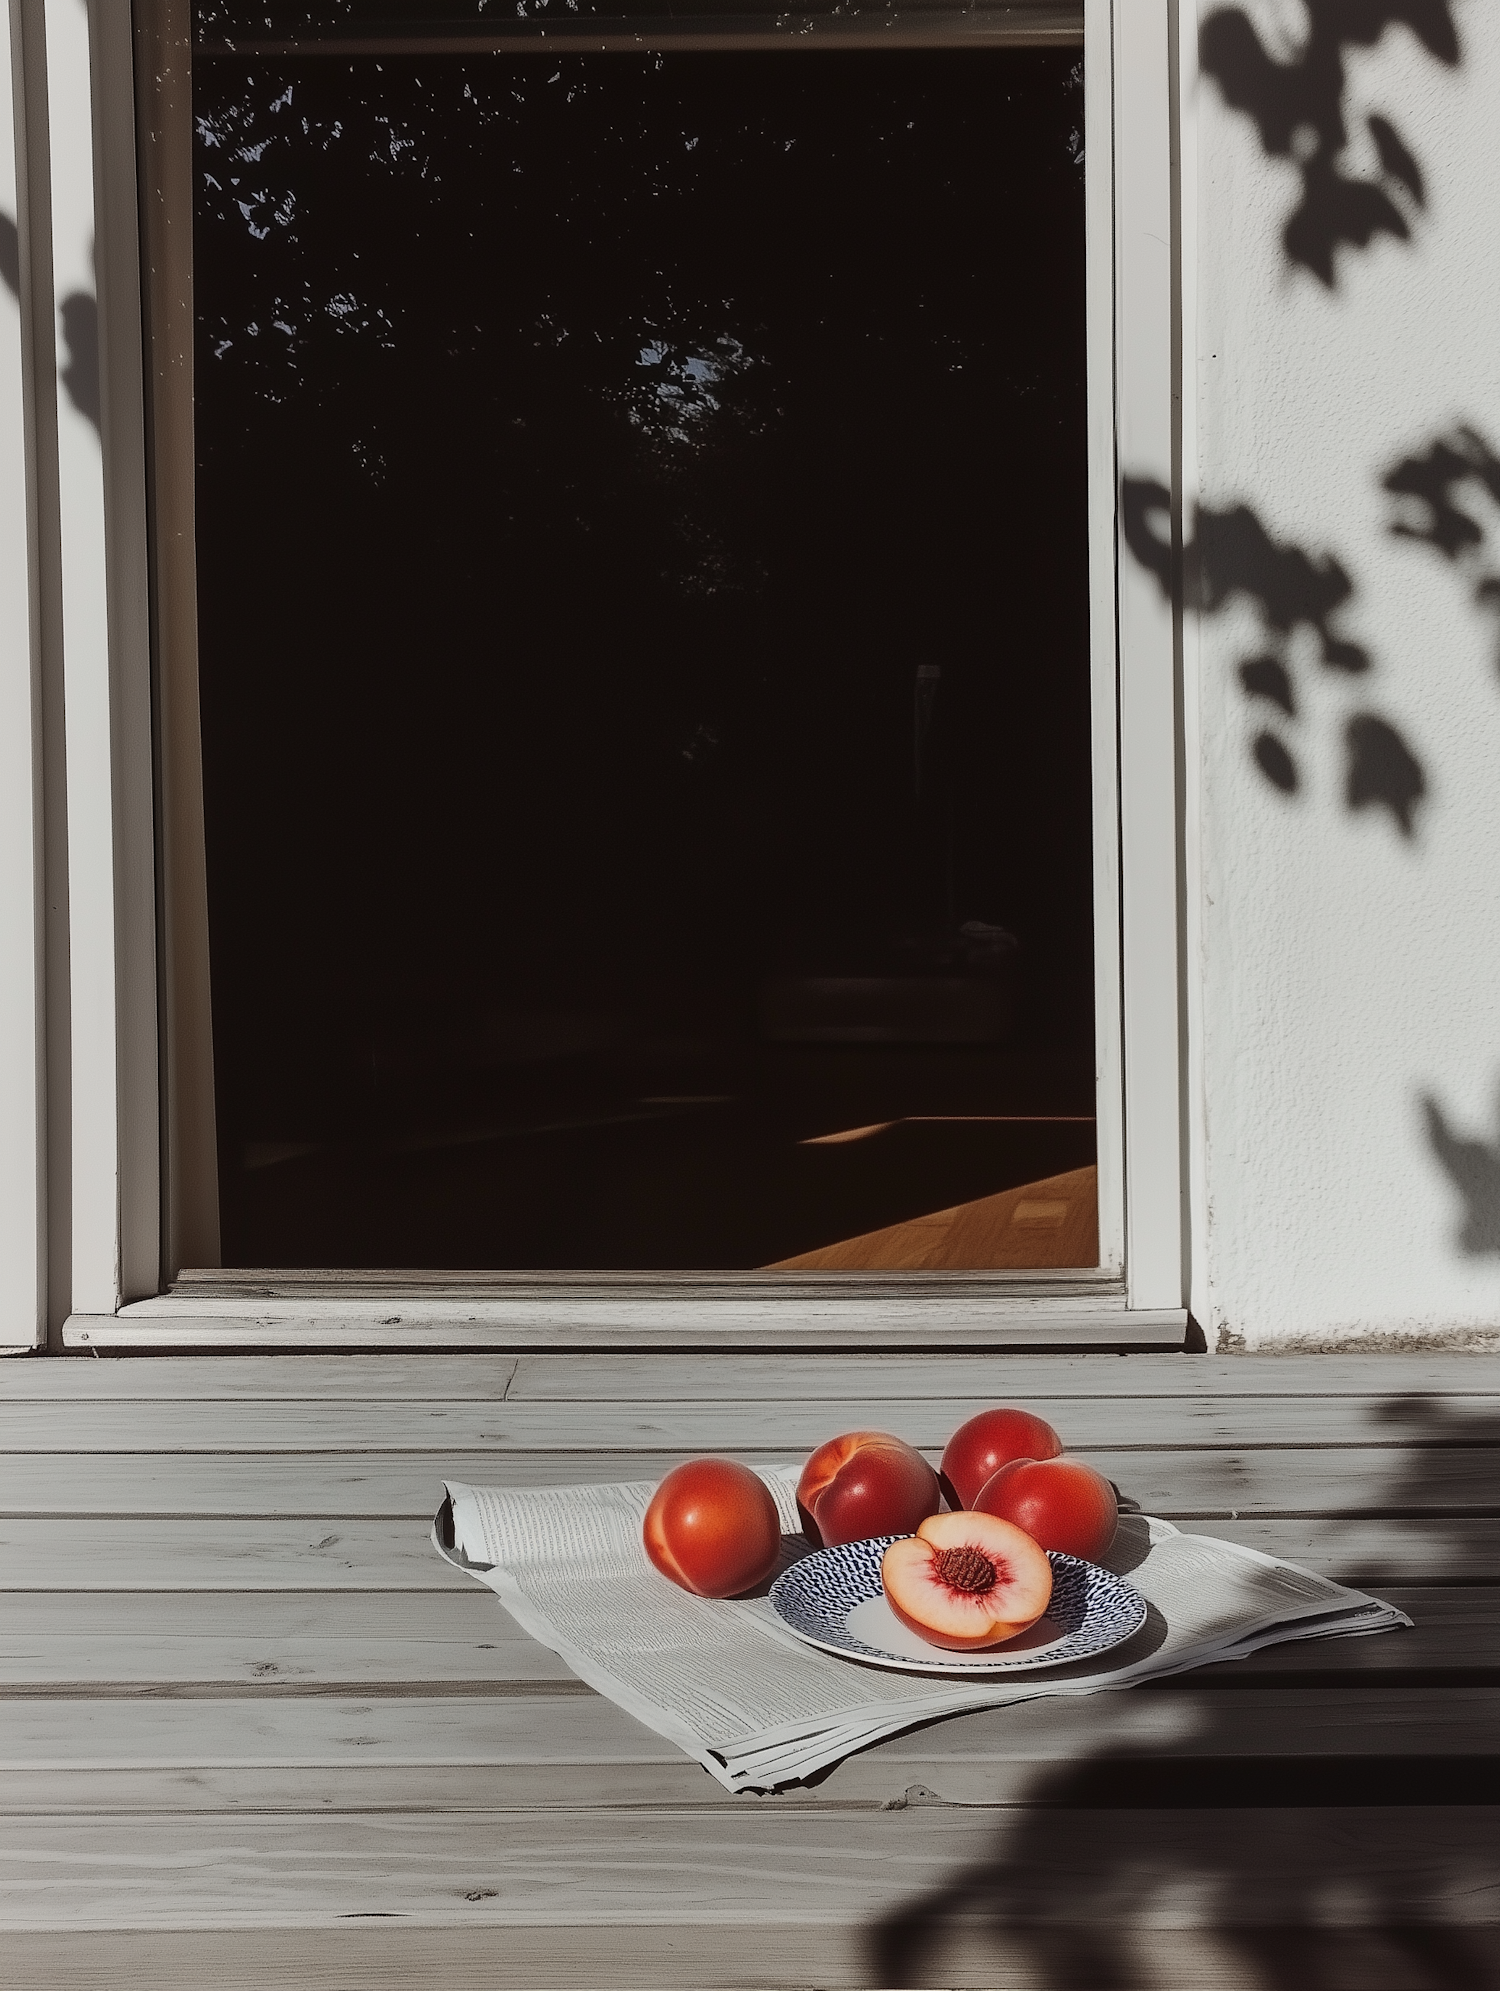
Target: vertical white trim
<point>1149,717</point>
<point>23,1152</point>
<point>1099,251</point>
<point>85,650</point>
<point>106,687</point>
<point>1195,1113</point>
<point>85,639</point>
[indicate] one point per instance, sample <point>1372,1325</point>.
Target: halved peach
<point>965,1581</point>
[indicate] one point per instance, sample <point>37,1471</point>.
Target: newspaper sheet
<point>756,1707</point>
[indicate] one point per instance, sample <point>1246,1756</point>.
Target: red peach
<point>1061,1503</point>
<point>978,1449</point>
<point>712,1527</point>
<point>865,1483</point>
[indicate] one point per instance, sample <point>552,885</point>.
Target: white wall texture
<point>22,1204</point>
<point>1348,972</point>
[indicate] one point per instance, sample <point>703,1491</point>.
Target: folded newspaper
<point>755,1706</point>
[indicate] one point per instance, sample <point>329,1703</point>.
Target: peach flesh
<point>965,1582</point>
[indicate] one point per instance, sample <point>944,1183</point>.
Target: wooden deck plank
<point>632,1786</point>
<point>578,1428</point>
<point>724,1956</point>
<point>731,1377</point>
<point>269,1643</point>
<point>168,1665</point>
<point>271,1554</point>
<point>610,1378</point>
<point>338,1553</point>
<point>1178,1720</point>
<point>366,1618</point>
<point>1175,1484</point>
<point>266,1378</point>
<point>636,1788</point>
<point>1370,1553</point>
<point>1351,1867</point>
<point>336,1731</point>
<point>133,1643</point>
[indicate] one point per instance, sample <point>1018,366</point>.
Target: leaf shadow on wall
<point>1435,487</point>
<point>80,377</point>
<point>1232,557</point>
<point>1298,108</point>
<point>80,326</point>
<point>1283,1852</point>
<point>1473,1167</point>
<point>10,256</point>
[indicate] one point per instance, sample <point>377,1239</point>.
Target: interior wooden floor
<point>1051,1224</point>
<point>253,1732</point>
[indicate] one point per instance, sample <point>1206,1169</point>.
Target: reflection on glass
<point>644,658</point>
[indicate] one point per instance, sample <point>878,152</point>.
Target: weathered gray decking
<point>254,1732</point>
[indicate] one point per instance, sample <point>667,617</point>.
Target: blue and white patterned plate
<point>834,1599</point>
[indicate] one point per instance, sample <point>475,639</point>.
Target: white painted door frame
<point>1150,91</point>
<point>79,1032</point>
<point>23,1197</point>
<point>79,1154</point>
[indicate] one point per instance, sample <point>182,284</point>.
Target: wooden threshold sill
<point>247,1312</point>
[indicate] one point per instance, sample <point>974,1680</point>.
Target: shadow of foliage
<point>80,377</point>
<point>1232,557</point>
<point>1473,1167</point>
<point>1431,484</point>
<point>1291,1860</point>
<point>1299,111</point>
<point>1382,770</point>
<point>1434,478</point>
<point>10,256</point>
<point>80,326</point>
<point>1237,556</point>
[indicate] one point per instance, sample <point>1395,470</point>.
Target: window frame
<point>124,1135</point>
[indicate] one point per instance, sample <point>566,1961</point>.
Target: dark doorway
<point>644,652</point>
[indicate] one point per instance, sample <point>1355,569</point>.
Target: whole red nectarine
<point>712,1527</point>
<point>1061,1503</point>
<point>978,1449</point>
<point>865,1483</point>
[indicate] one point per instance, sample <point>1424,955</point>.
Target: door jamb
<point>1136,92</point>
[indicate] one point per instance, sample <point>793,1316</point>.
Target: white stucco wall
<point>1347,972</point>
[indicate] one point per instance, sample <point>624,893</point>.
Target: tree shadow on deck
<point>1298,1872</point>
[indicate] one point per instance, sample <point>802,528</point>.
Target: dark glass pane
<point>643,647</point>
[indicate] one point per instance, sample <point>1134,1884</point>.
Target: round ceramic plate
<point>834,1599</point>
